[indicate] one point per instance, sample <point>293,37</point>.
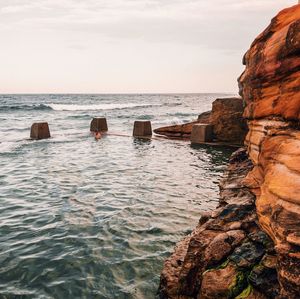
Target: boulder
<point>227,120</point>
<point>221,283</point>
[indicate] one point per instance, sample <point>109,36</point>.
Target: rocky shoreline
<point>227,250</point>
<point>250,246</point>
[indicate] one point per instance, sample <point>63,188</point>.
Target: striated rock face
<point>226,251</point>
<point>227,120</point>
<point>270,86</point>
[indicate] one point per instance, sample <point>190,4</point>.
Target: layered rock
<point>270,86</point>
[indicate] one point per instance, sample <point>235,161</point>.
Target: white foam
<point>74,107</point>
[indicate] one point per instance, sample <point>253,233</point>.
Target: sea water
<point>81,218</point>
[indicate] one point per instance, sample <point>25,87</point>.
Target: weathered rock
<point>224,283</point>
<point>270,87</point>
<point>227,120</point>
<point>204,117</point>
<point>214,261</point>
<point>222,245</point>
<point>183,130</point>
<point>264,279</point>
<point>247,255</point>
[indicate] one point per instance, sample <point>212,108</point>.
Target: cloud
<point>189,33</point>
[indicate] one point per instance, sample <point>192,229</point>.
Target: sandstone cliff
<point>250,246</point>
<point>270,86</point>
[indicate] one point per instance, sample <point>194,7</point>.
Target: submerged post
<point>201,133</point>
<point>142,128</point>
<point>99,124</point>
<point>40,131</point>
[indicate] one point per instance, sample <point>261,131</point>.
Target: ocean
<point>81,218</point>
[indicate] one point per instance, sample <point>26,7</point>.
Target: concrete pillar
<point>142,128</point>
<point>202,133</point>
<point>40,131</point>
<point>99,124</point>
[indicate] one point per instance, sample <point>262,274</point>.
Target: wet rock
<point>265,280</point>
<point>222,245</point>
<point>247,255</point>
<point>203,270</point>
<point>227,282</point>
<point>250,293</point>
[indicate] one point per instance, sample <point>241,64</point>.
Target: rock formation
<point>183,130</point>
<point>250,246</point>
<point>227,120</point>
<point>270,86</point>
<point>227,255</point>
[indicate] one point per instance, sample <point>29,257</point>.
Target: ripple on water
<point>87,219</point>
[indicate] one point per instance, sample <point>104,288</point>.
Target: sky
<point>128,46</point>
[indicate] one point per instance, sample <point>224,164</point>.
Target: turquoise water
<point>82,218</point>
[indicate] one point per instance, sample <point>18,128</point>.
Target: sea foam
<point>75,107</point>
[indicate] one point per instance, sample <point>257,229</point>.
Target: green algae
<point>219,267</point>
<point>246,292</point>
<point>238,284</point>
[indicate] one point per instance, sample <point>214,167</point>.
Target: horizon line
<point>111,93</point>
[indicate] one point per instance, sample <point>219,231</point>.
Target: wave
<point>25,107</point>
<point>75,107</point>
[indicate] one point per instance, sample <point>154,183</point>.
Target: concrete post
<point>201,133</point>
<point>142,128</point>
<point>40,131</point>
<point>98,124</point>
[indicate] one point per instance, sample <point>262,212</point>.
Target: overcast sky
<point>125,46</point>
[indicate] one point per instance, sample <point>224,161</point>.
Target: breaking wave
<point>75,107</point>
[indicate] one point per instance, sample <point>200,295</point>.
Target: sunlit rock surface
<point>270,86</point>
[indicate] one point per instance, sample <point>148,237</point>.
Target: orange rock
<point>270,87</point>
